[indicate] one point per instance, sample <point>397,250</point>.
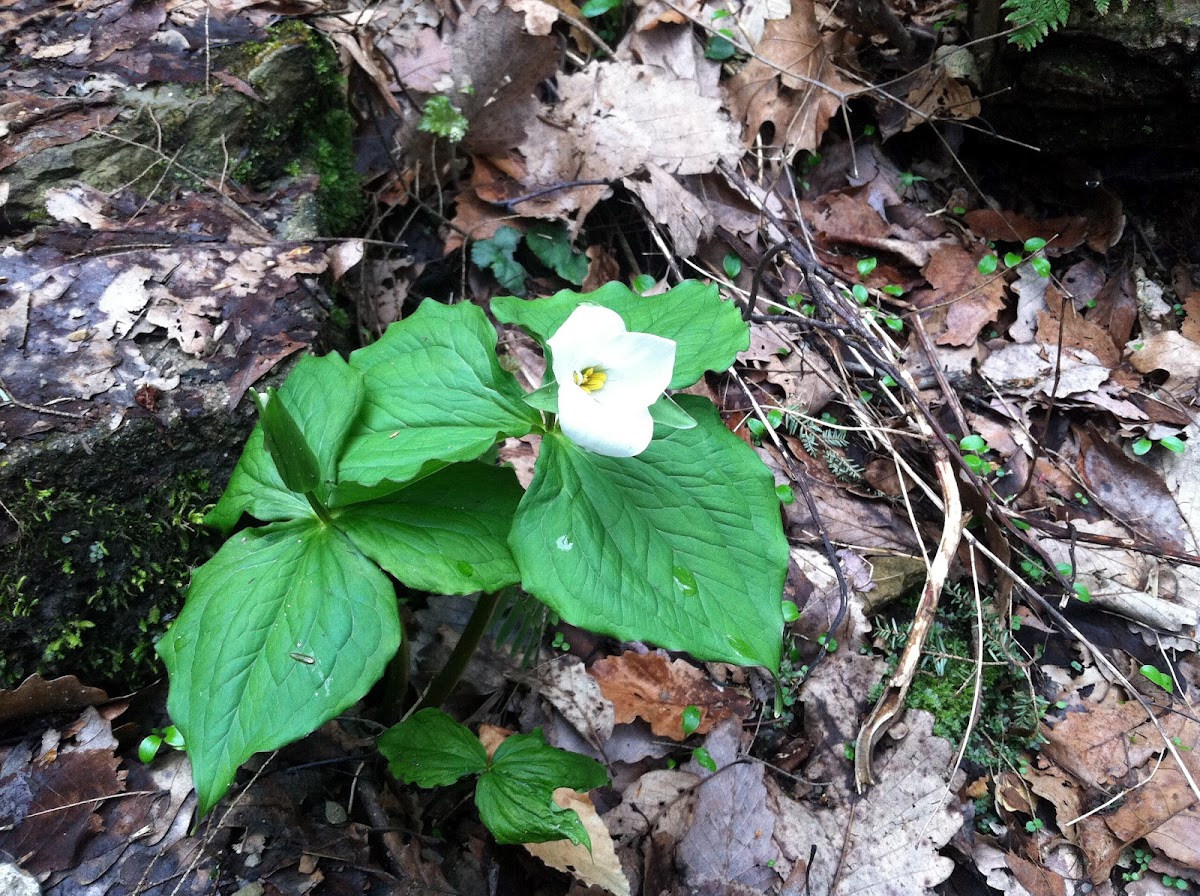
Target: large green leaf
<point>515,795</point>
<point>430,749</point>
<point>708,332</point>
<point>286,627</point>
<point>447,533</point>
<point>682,545</point>
<point>323,396</point>
<point>436,394</point>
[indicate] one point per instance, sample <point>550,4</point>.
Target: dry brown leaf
<point>598,867</point>
<point>1134,494</point>
<point>974,300</point>
<point>857,217</point>
<point>1173,353</point>
<point>885,842</point>
<point>685,216</point>
<point>729,838</point>
<point>792,82</point>
<point>1061,234</point>
<point>650,687</point>
<point>939,96</point>
<point>36,696</point>
<point>577,696</point>
<point>422,65</point>
<point>1077,332</point>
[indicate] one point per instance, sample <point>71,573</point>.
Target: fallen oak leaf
<point>650,687</point>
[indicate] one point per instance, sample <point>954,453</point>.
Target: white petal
<point>615,431</point>
<point>578,342</point>
<point>637,367</point>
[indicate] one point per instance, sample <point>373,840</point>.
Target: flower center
<point>590,380</point>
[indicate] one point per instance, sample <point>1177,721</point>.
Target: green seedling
<point>151,744</point>
<point>442,118</point>
<point>1172,443</point>
<point>1162,679</point>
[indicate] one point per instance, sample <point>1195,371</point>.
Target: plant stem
<point>319,508</point>
<point>443,684</point>
<point>395,679</point>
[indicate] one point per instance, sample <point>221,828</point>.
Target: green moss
<point>1011,709</point>
<point>101,553</point>
<point>315,136</point>
<point>127,563</point>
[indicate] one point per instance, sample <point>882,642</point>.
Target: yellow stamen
<point>590,380</point>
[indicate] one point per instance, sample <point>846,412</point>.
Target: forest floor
<point>926,332</point>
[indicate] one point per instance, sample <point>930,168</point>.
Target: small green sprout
<point>1162,679</point>
<point>152,743</point>
<point>443,119</point>
<point>702,758</point>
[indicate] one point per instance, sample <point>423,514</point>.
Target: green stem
<point>443,684</point>
<point>318,508</point>
<point>395,679</point>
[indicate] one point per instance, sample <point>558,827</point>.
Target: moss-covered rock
<point>98,543</point>
<point>279,111</point>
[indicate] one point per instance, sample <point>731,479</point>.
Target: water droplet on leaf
<point>685,582</point>
<point>564,543</point>
<point>465,568</point>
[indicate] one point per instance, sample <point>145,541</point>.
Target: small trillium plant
<point>646,519</point>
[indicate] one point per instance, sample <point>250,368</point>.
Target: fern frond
<point>1036,18</point>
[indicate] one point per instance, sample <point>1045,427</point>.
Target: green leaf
<point>702,758</point>
<point>860,294</point>
<point>1034,244</point>
<point>681,546</point>
<point>285,628</point>
<point>1012,259</point>
<point>1162,679</point>
<point>708,332</point>
<point>666,412</point>
<point>446,533</point>
<point>294,460</point>
<point>1173,443</point>
<point>515,795</point>
<point>866,266</point>
<point>544,398</point>
<point>731,263</point>
<point>719,48</point>
<point>436,394</point>
<point>430,749</point>
<point>1142,446</point>
<point>497,255</point>
<point>593,8</point>
<point>691,719</point>
<point>551,243</point>
<point>323,397</point>
<point>148,748</point>
<point>973,442</point>
<point>643,283</point>
<point>1041,266</point>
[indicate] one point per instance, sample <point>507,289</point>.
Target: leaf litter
<point>878,298</point>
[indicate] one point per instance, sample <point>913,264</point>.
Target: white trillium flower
<point>607,380</point>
